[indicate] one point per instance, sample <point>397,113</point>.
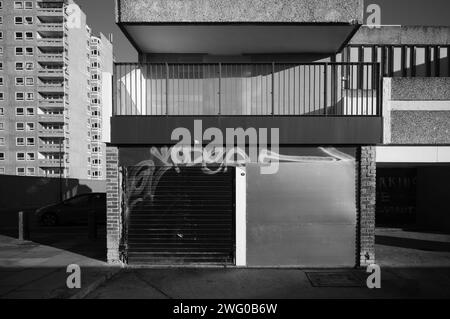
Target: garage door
<point>182,216</point>
<point>304,215</point>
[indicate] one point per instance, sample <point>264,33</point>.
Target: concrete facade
<point>240,11</point>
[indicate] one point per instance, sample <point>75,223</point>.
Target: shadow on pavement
<point>410,243</point>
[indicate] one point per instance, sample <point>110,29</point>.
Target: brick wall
<point>367,192</point>
<point>113,204</point>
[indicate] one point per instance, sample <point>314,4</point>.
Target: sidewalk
<point>35,270</point>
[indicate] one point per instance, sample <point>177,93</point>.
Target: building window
<point>2,170</point>
<point>19,81</point>
<point>30,111</point>
<point>2,126</point>
<point>1,66</point>
<point>18,5</point>
<point>20,171</point>
<point>18,35</point>
<point>29,81</point>
<point>19,51</point>
<point>29,36</point>
<point>29,66</point>
<point>1,4</point>
<point>29,51</point>
<point>2,96</point>
<point>2,156</point>
<point>20,96</point>
<point>19,66</point>
<point>30,127</point>
<point>1,35</point>
<point>1,20</point>
<point>31,157</point>
<point>20,141</point>
<point>31,171</point>
<point>30,141</point>
<point>30,96</point>
<point>1,80</point>
<point>2,111</point>
<point>20,126</point>
<point>2,141</point>
<point>28,20</point>
<point>28,5</point>
<point>18,20</point>
<point>1,50</point>
<point>97,174</point>
<point>19,111</point>
<point>20,156</point>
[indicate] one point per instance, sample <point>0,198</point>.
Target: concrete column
<point>367,199</point>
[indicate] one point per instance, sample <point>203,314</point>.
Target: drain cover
<point>336,279</point>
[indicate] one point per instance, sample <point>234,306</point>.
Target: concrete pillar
<point>367,199</point>
<point>113,217</point>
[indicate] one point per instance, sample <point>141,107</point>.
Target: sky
<point>100,15</point>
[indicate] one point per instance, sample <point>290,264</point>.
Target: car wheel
<point>49,219</point>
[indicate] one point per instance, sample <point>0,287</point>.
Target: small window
<point>1,50</point>
<point>29,36</point>
<point>1,35</point>
<point>30,127</point>
<point>19,81</point>
<point>20,111</point>
<point>19,66</point>
<point>19,51</point>
<point>29,51</point>
<point>28,5</point>
<point>30,141</point>
<point>18,20</point>
<point>2,126</point>
<point>30,96</point>
<point>2,141</point>
<point>28,20</point>
<point>2,96</point>
<point>2,111</point>
<point>31,171</point>
<point>1,66</point>
<point>20,126</point>
<point>29,66</point>
<point>1,80</point>
<point>18,5</point>
<point>31,157</point>
<point>20,141</point>
<point>2,156</point>
<point>20,156</point>
<point>29,81</point>
<point>2,171</point>
<point>30,111</point>
<point>20,171</point>
<point>18,35</point>
<point>20,96</point>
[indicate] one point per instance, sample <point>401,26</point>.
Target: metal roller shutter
<point>188,220</point>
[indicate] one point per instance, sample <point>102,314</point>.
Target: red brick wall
<point>113,204</point>
<point>367,193</point>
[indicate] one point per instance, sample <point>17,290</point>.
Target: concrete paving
<point>32,270</point>
<point>413,265</point>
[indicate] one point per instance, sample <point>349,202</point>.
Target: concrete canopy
<point>237,27</point>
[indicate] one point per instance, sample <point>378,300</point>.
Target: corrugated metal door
<point>180,216</point>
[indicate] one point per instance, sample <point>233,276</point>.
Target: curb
<point>94,285</point>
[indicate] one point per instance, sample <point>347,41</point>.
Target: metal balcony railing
<point>256,89</point>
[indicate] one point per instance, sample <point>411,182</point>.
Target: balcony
<point>51,162</point>
<point>52,118</point>
<point>51,27</point>
<point>51,133</point>
<point>52,73</point>
<point>49,12</point>
<point>51,148</point>
<point>304,96</point>
<point>51,88</point>
<point>51,57</point>
<point>51,42</point>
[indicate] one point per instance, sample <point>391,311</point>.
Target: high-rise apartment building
<point>45,90</point>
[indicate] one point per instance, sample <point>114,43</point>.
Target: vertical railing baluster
<point>273,89</point>
<point>325,93</point>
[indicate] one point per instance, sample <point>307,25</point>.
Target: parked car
<point>74,210</point>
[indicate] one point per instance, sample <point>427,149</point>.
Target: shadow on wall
<point>23,192</point>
